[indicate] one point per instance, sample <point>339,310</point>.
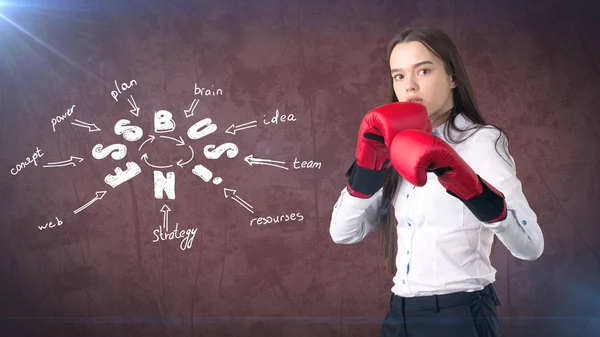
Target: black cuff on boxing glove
<point>363,182</point>
<point>488,206</point>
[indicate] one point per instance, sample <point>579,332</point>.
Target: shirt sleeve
<point>519,231</point>
<point>353,218</point>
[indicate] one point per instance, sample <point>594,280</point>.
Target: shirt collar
<point>461,122</point>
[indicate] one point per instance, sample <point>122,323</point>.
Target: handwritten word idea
<point>124,87</point>
<point>186,236</point>
<point>306,164</point>
<point>51,224</point>
<point>61,118</point>
<point>206,91</point>
<point>277,219</point>
<point>283,118</point>
<point>37,154</point>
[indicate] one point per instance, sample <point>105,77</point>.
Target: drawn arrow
<point>91,127</point>
<point>257,161</point>
<point>150,138</point>
<point>240,127</point>
<point>145,159</point>
<point>179,141</point>
<point>190,112</point>
<point>99,196</point>
<point>165,209</point>
<point>134,108</point>
<point>237,199</point>
<point>180,164</point>
<point>70,161</point>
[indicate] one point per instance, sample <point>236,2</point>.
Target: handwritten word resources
<point>276,219</point>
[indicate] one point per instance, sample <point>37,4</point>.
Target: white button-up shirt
<point>442,247</point>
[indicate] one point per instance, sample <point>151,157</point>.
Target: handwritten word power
<point>61,118</point>
<point>37,154</point>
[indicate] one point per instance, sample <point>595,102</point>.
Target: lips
<point>415,100</point>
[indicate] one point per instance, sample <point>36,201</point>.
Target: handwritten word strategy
<point>187,236</point>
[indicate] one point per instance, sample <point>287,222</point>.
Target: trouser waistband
<point>435,302</point>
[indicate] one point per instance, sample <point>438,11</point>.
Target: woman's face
<point>418,74</point>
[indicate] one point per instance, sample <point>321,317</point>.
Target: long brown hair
<point>440,45</point>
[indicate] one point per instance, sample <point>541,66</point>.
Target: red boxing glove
<point>377,129</point>
<point>414,153</point>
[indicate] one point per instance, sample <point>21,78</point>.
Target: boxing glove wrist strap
<point>489,206</point>
<point>362,182</point>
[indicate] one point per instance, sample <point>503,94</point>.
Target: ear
<point>452,82</point>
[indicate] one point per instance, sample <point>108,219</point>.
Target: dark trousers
<point>464,314</point>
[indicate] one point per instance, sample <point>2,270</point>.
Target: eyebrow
<point>414,65</point>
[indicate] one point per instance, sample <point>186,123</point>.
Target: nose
<point>410,84</point>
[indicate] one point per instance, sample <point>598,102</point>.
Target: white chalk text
<point>61,118</point>
<point>37,154</point>
<point>276,219</point>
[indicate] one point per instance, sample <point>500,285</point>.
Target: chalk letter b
<point>163,121</point>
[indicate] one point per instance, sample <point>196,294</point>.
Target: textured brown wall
<point>534,66</point>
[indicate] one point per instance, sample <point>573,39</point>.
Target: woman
<point>456,193</point>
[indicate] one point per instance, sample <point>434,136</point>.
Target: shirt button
<point>403,281</point>
<point>408,223</point>
<point>524,222</point>
<point>434,132</point>
<point>407,196</point>
<point>407,252</point>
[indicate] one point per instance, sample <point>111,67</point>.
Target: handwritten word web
<point>164,173</point>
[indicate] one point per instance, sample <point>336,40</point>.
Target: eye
<point>426,70</point>
<point>397,77</point>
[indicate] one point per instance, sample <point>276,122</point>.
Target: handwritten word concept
<point>207,92</point>
<point>306,164</point>
<point>123,88</point>
<point>186,236</point>
<point>19,167</point>
<point>276,219</point>
<point>61,118</point>
<point>51,224</point>
<point>276,119</point>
